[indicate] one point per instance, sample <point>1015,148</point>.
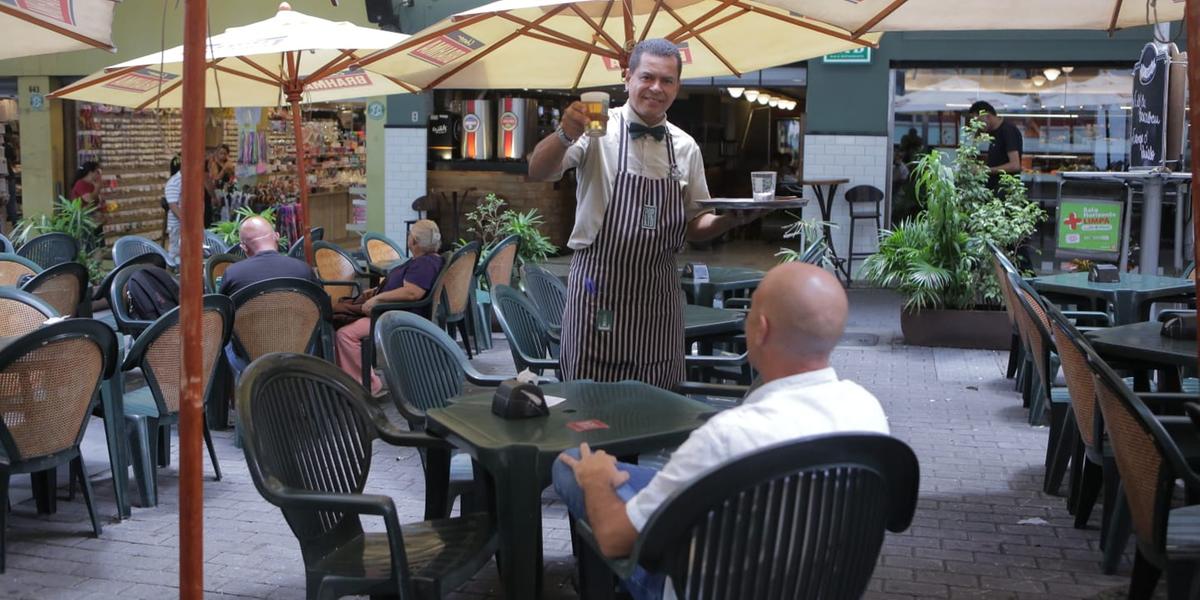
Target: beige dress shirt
<point>598,159</point>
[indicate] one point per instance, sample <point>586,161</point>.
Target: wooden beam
<point>883,14</point>
<point>684,27</point>
<point>598,29</point>
<point>83,85</point>
<point>191,406</point>
<point>12,11</point>
<point>627,16</point>
<point>508,38</point>
<point>1112,24</point>
<point>710,47</point>
<point>417,40</point>
<point>711,26</point>
<point>245,75</point>
<point>545,32</point>
<point>649,22</point>
<point>276,77</point>
<point>577,45</point>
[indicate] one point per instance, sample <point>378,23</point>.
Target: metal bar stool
<point>865,201</point>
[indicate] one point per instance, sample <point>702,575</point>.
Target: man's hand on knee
<point>596,467</point>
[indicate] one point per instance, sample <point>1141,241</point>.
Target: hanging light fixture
<point>773,102</point>
<point>1068,70</point>
<point>1039,81</point>
<point>763,99</point>
<point>791,105</point>
<point>751,95</point>
<point>735,92</point>
<point>1051,73</point>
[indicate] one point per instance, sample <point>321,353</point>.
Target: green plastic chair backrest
<point>422,365</point>
<point>527,333</point>
<point>548,293</point>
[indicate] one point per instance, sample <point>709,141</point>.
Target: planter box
<point>981,329</point>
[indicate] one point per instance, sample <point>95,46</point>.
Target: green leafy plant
<point>491,222</point>
<point>811,246</point>
<point>938,258</point>
<point>228,230</point>
<point>74,218</point>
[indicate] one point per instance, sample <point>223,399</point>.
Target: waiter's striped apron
<point>628,272</point>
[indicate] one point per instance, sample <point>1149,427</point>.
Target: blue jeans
<point>642,585</point>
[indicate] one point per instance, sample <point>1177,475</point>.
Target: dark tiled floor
<point>983,528</point>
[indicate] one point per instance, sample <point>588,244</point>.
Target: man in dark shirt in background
<point>1004,155</point>
<point>263,260</point>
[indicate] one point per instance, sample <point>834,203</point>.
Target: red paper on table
<point>587,425</point>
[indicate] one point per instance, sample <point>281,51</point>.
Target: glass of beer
<point>596,104</point>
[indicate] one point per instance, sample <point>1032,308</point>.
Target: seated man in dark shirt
<point>406,283</point>
<point>263,260</point>
<point>1004,155</point>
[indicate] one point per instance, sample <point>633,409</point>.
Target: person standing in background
<point>1004,154</point>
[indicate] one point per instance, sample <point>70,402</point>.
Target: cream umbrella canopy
<point>569,44</point>
<point>290,57</point>
<point>31,27</point>
<point>864,16</point>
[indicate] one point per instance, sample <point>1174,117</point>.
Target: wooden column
<point>1191,22</point>
<point>191,491</point>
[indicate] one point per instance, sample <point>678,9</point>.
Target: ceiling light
<point>773,102</point>
<point>751,95</point>
<point>1039,81</point>
<point>763,99</point>
<point>788,105</point>
<point>736,92</point>
<point>1052,73</point>
<point>1068,70</point>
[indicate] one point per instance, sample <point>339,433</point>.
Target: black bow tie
<point>637,130</point>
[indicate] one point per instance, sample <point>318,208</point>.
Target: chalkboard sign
<point>1148,141</point>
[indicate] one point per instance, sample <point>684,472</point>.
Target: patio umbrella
<point>34,27</point>
<point>570,44</point>
<point>290,57</point>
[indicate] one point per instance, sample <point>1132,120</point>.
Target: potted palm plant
<point>938,260</point>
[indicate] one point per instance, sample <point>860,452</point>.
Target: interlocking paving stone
<point>981,468</point>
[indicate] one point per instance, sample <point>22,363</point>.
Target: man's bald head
<point>796,319</point>
<point>257,235</point>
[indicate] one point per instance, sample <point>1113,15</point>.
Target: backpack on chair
<point>151,293</point>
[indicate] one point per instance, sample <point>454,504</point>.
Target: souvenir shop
<point>135,148</point>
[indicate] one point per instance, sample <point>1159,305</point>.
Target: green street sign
<point>857,56</point>
<point>1089,226</point>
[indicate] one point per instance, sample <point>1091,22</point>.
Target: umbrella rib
<point>1112,25</point>
<point>495,46</point>
<point>275,78</point>
<point>712,26</point>
<point>806,24</point>
<point>538,32</point>
<point>685,27</point>
<point>649,22</point>
<point>883,14</point>
<point>244,75</point>
<point>63,31</point>
<point>701,39</point>
<point>421,39</point>
<point>599,30</point>
<point>158,96</point>
<point>627,16</point>
<point>573,45</point>
<point>588,56</point>
<point>411,88</point>
<point>82,85</point>
<point>330,67</point>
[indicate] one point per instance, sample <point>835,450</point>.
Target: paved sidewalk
<point>983,528</point>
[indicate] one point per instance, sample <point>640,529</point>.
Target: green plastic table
<point>720,280</point>
<point>519,454</point>
<point>1130,297</point>
<point>1142,345</point>
<point>706,322</point>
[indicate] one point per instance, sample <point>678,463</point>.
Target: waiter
<point>637,192</point>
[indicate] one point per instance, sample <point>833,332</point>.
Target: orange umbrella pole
<point>301,173</point>
<point>191,492</point>
<point>1192,22</point>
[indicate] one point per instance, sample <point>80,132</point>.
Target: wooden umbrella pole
<point>191,492</point>
<point>294,96</point>
<point>1192,22</point>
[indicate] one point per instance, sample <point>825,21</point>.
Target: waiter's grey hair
<point>657,47</point>
<point>426,235</point>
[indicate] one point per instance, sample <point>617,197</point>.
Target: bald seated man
<point>796,319</point>
<point>263,260</point>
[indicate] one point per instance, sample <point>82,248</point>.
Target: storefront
<point>135,147</point>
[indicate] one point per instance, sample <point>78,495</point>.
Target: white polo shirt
<point>799,406</point>
<point>598,161</point>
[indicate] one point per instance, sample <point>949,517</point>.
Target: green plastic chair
<point>309,430</point>
<point>527,333</point>
<point>215,267</point>
<point>547,292</point>
<point>424,368</point>
<point>496,269</point>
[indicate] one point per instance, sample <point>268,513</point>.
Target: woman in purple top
<point>407,282</point>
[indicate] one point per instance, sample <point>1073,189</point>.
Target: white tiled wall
<point>863,159</point>
<point>404,177</point>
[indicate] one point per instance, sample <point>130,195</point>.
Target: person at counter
<point>1004,154</point>
<point>637,191</point>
